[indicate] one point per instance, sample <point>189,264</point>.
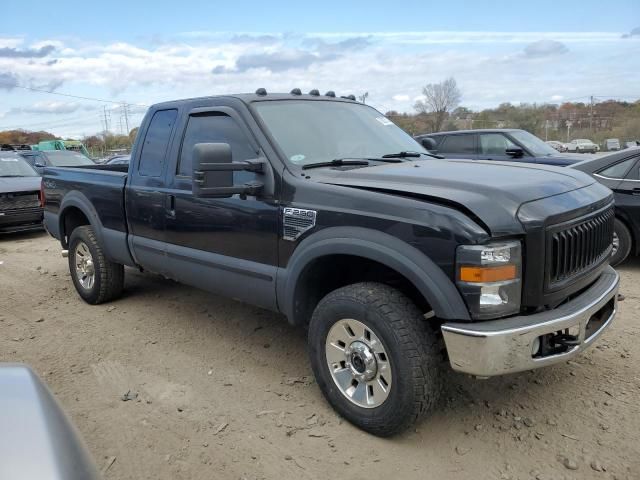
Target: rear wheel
<point>621,243</point>
<point>96,279</point>
<point>374,357</point>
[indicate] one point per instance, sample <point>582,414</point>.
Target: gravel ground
<point>224,390</point>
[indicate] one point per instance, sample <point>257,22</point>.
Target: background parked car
<point>119,160</point>
<point>20,204</point>
<point>612,144</point>
<point>582,145</point>
<point>54,158</point>
<point>620,172</point>
<point>631,144</point>
<point>37,439</point>
<point>559,146</point>
<point>495,144</point>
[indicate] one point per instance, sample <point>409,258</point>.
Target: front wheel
<point>375,358</point>
<point>621,243</point>
<point>97,280</point>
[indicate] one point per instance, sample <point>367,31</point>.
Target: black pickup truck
<point>322,209</point>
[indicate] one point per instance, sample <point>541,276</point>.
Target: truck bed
<point>97,189</point>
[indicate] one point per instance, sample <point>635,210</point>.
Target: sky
<point>140,53</point>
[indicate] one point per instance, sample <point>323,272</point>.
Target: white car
<point>582,145</point>
<point>559,146</point>
<point>612,144</point>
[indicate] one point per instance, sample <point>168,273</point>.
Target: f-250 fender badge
<point>296,221</point>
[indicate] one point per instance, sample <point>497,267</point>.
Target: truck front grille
<point>578,247</point>
<point>19,201</point>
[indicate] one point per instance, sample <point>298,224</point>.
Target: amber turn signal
<point>488,274</point>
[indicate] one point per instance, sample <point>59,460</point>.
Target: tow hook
<point>566,340</point>
<point>556,343</point>
<point>64,253</point>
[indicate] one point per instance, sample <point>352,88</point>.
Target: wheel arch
<point>623,217</point>
<point>76,210</point>
<point>372,246</point>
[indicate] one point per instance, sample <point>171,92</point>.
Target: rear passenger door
<point>459,146</point>
<point>626,191</point>
<point>146,193</point>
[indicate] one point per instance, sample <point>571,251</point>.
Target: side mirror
<point>429,144</point>
<point>213,172</point>
<point>515,152</point>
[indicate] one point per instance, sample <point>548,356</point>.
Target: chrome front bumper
<point>496,347</point>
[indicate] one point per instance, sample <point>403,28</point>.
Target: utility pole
<point>125,109</point>
<point>591,114</point>
<point>546,130</point>
<point>106,120</point>
<point>569,123</point>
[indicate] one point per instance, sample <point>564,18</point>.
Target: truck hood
<point>492,191</point>
<point>19,184</point>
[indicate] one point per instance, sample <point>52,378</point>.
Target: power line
<point>70,118</point>
<point>40,90</point>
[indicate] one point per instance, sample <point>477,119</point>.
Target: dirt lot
<point>224,390</point>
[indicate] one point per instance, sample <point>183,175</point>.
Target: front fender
<point>374,245</point>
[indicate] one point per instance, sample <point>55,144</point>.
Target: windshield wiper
<point>11,176</point>
<point>337,162</point>
<point>353,161</point>
<point>411,155</point>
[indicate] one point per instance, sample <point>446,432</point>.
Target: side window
<point>214,128</point>
<point>618,170</point>
<point>634,173</point>
<point>458,144</point>
<point>156,141</point>
<point>494,144</point>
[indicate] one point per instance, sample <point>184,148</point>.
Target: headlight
<point>490,278</point>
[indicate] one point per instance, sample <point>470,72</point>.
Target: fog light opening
<point>535,347</point>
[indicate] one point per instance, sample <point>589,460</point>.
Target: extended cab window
<point>213,128</point>
<point>154,149</point>
<point>458,144</point>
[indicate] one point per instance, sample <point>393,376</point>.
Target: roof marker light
<point>296,91</point>
<point>261,92</point>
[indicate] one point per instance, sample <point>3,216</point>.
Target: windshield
<point>14,166</point>
<point>65,158</point>
<point>532,143</point>
<point>320,131</point>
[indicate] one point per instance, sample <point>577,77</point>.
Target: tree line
<point>440,110</point>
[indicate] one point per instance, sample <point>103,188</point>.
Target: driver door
<point>225,245</point>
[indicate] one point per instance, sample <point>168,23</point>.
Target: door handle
<point>171,206</point>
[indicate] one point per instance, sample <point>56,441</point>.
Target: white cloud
<point>490,67</point>
<point>545,48</point>
<point>52,107</point>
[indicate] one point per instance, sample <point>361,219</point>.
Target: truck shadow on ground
<point>267,339</point>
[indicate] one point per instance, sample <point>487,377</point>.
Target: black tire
<point>624,243</point>
<point>108,276</point>
<point>413,348</point>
